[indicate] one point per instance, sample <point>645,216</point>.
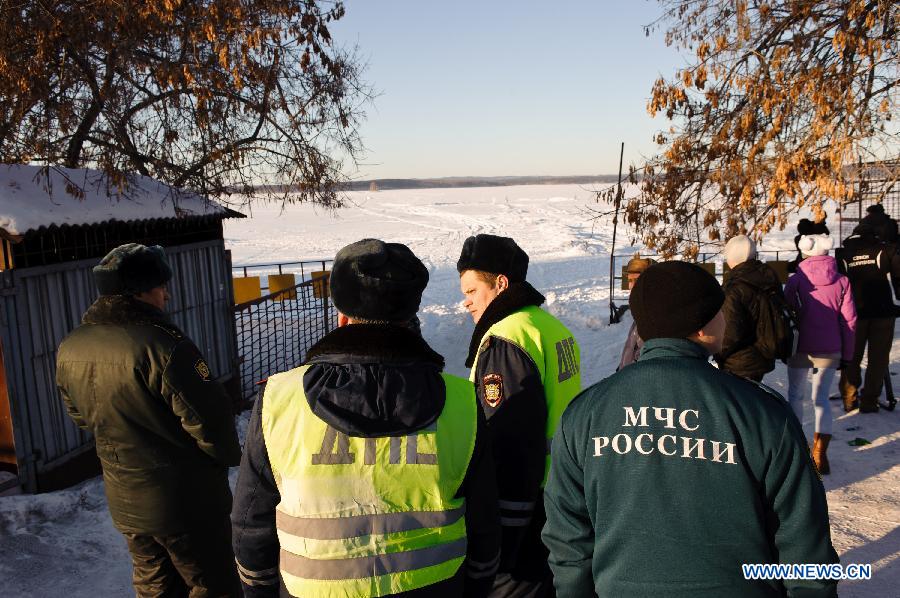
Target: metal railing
<point>620,259</point>
<point>275,331</point>
<point>885,191</point>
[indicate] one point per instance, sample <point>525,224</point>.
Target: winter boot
<point>851,402</point>
<point>820,453</point>
<point>868,404</point>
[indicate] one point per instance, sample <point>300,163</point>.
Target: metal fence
<point>619,295</point>
<point>875,183</point>
<point>275,331</point>
<point>39,306</point>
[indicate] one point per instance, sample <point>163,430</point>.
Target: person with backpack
<point>827,324</point>
<point>757,331</point>
<point>868,261</point>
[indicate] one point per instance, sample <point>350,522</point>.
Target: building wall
<point>39,306</point>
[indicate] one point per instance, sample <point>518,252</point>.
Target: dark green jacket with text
<point>164,429</point>
<point>669,475</point>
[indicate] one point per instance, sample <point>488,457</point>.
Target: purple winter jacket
<point>824,302</point>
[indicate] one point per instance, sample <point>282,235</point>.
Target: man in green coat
<point>669,475</point>
<point>163,428</point>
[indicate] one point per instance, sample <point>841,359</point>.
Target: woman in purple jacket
<point>824,302</point>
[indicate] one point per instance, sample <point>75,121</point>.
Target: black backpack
<point>777,327</point>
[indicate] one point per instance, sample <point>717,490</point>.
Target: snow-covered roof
<point>32,197</point>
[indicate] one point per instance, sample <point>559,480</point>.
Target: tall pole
<point>612,252</point>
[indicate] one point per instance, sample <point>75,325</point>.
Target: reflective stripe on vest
<point>367,516</point>
<point>555,353</point>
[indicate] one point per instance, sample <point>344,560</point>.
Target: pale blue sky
<point>506,88</point>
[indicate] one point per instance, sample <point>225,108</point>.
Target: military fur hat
<point>131,269</point>
<point>374,280</point>
<point>497,255</point>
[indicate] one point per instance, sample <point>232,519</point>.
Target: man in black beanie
<point>671,474</point>
<point>378,463</point>
<point>163,428</point>
<point>526,368</point>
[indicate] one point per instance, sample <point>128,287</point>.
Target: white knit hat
<point>738,250</point>
<point>815,245</point>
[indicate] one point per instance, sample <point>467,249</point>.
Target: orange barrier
<point>246,288</point>
<point>320,283</point>
<point>283,282</point>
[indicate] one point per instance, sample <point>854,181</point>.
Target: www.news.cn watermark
<point>807,571</point>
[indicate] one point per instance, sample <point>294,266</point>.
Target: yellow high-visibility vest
<point>555,353</point>
<point>367,516</point>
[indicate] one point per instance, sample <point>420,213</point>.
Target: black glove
<point>844,363</point>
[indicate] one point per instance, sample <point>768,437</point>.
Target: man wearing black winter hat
<point>526,368</point>
<point>366,471</point>
<point>163,428</point>
<point>671,474</point>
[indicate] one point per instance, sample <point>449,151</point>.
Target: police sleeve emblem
<point>202,369</point>
<point>493,389</point>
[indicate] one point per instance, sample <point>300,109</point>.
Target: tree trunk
<point>76,143</point>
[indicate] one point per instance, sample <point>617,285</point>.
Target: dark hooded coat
<point>748,284</point>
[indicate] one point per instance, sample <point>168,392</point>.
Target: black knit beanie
<point>674,300</point>
<point>374,280</point>
<point>497,255</point>
<point>131,269</point>
<point>808,227</point>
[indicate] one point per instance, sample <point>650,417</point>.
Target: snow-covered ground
<point>63,543</point>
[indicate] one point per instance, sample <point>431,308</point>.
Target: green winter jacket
<point>163,428</point>
<point>670,474</point>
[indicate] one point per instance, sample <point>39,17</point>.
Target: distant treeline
<point>462,181</point>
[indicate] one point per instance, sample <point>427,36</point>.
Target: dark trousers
<point>878,333</point>
<point>506,586</point>
<point>194,564</point>
<point>529,576</point>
